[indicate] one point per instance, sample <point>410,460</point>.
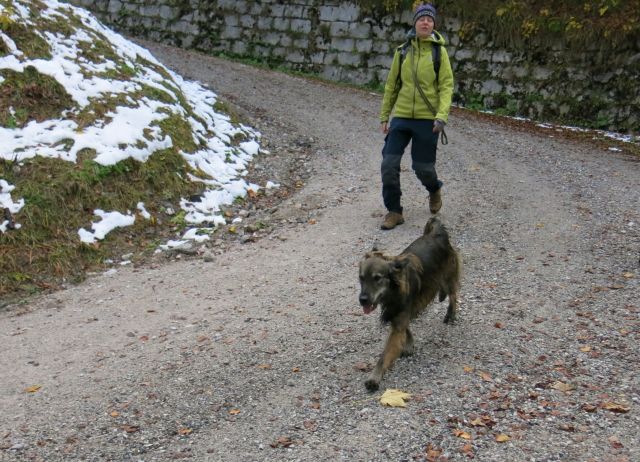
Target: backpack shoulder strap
<point>403,50</point>
<point>435,56</point>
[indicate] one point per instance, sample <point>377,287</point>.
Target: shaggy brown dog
<point>404,285</point>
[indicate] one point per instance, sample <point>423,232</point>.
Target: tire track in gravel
<point>264,347</point>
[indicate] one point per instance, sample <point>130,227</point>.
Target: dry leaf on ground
<point>462,434</point>
<point>616,407</point>
<point>561,386</point>
<point>394,398</point>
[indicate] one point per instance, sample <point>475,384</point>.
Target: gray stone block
<point>232,20</point>
<point>281,24</point>
<point>359,30</point>
<point>277,11</point>
<point>248,22</point>
<point>301,25</point>
<point>239,47</point>
<point>294,11</point>
<point>339,29</point>
<point>349,59</point>
<point>331,72</point>
<point>150,10</point>
<point>317,58</point>
<point>271,38</point>
<point>114,6</point>
<point>343,44</point>
<point>364,46</point>
<point>295,57</point>
<point>168,13</point>
<point>301,43</point>
<point>490,87</point>
<point>265,23</point>
<point>347,11</point>
<point>231,32</point>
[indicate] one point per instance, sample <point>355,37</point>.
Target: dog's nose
<point>364,299</point>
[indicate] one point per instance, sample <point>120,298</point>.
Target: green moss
<point>97,50</point>
<point>30,95</point>
<point>60,198</point>
<point>180,132</point>
<point>27,40</point>
<point>156,94</point>
<point>99,108</point>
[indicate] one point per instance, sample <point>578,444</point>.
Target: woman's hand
<point>385,127</point>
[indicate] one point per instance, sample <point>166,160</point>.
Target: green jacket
<point>405,99</point>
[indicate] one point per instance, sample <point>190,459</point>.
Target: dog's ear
<point>398,264</point>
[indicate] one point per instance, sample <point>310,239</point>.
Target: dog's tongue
<point>368,308</point>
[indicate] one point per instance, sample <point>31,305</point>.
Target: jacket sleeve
<point>391,88</point>
<point>445,86</point>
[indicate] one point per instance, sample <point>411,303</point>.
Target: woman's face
<point>424,26</point>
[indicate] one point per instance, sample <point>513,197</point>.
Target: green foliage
<point>30,95</point>
<point>26,39</point>
<point>384,7</point>
<point>60,197</point>
<point>541,22</point>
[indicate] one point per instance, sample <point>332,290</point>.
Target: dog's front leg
<point>392,350</point>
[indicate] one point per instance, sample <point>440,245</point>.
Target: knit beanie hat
<point>424,10</point>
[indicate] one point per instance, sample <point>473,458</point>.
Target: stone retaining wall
<point>337,41</point>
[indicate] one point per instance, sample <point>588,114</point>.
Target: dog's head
<point>378,276</point>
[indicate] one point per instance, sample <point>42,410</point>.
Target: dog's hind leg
<point>452,309</point>
<point>409,348</point>
<point>392,350</point>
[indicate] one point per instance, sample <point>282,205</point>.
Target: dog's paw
<point>408,352</point>
<point>372,385</point>
<point>449,319</point>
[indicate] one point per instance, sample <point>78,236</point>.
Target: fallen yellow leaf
<point>33,388</point>
<point>114,413</point>
<point>585,349</point>
<point>628,275</point>
<point>478,422</point>
<point>502,438</point>
<point>467,369</point>
<point>394,398</point>
<point>561,386</point>
<point>462,434</point>
<point>184,431</point>
<point>616,407</point>
<point>234,411</point>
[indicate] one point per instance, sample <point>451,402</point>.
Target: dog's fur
<point>404,285</point>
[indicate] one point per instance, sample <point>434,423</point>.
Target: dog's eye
<point>377,277</point>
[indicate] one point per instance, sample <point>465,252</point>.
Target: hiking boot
<point>435,201</point>
<point>391,220</point>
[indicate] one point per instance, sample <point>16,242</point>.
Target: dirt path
<point>259,355</point>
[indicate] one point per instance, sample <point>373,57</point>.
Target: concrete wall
<point>337,41</point>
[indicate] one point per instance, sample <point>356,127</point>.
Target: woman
<point>420,99</point>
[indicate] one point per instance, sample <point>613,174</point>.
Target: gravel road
<point>260,353</point>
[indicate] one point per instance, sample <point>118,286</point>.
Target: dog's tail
<point>433,226</point>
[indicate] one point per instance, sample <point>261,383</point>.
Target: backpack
<point>435,57</point>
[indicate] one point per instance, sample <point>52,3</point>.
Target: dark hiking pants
<point>423,158</point>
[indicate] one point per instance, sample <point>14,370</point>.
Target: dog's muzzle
<point>366,304</point>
